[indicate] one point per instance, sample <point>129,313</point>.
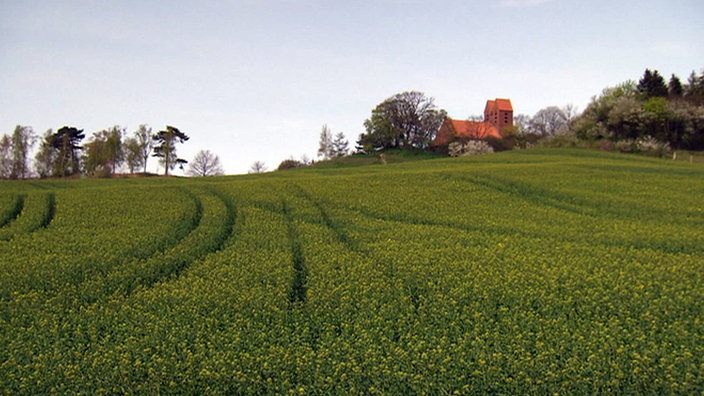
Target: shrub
<point>645,145</point>
<point>471,147</point>
<point>289,164</point>
<point>650,145</point>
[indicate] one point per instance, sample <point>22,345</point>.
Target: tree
<point>340,145</point>
<point>257,167</point>
<point>550,121</point>
<point>46,156</point>
<point>325,148</point>
<point>205,163</point>
<point>23,139</point>
<point>104,153</point>
<point>694,90</point>
<point>405,120</point>
<point>674,88</point>
<point>133,154</point>
<point>652,84</point>
<point>138,147</point>
<point>66,142</point>
<point>165,147</point>
<point>5,157</point>
<point>145,142</point>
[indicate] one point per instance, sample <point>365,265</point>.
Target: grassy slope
<point>542,271</point>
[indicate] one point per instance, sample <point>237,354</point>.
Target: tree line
<point>63,153</point>
<point>668,112</point>
<point>653,111</point>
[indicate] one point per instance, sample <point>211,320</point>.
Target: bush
<point>289,164</point>
<point>650,145</point>
<point>644,145</point>
<point>471,147</point>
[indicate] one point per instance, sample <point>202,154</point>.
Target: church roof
<point>504,104</point>
<point>499,105</point>
<point>474,129</point>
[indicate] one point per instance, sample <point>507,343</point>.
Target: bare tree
<point>257,167</point>
<point>550,121</point>
<point>23,138</point>
<point>205,163</point>
<point>45,157</point>
<point>571,112</point>
<point>5,157</point>
<point>522,123</point>
<point>144,143</point>
<point>325,147</point>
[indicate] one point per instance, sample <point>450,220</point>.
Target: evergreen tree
<point>675,87</point>
<point>340,145</point>
<point>66,142</point>
<point>652,84</point>
<point>694,91</point>
<point>165,147</point>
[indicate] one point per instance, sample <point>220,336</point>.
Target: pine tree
<point>166,147</point>
<point>340,146</point>
<point>652,84</point>
<point>66,143</point>
<point>675,87</point>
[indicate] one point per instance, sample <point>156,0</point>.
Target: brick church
<point>498,115</point>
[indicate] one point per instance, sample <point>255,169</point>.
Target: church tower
<point>499,113</point>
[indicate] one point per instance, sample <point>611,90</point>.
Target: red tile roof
<point>498,105</point>
<point>475,129</point>
<point>453,129</point>
<point>504,104</point>
<point>489,107</point>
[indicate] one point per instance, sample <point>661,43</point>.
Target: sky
<point>255,80</point>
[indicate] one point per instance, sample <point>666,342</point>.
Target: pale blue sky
<point>255,80</point>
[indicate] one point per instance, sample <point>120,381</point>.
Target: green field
<point>526,272</point>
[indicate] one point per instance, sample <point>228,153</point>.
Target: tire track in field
<point>37,212</point>
<point>532,194</point>
<point>87,279</point>
<point>389,271</point>
<point>216,219</point>
<point>14,211</point>
<point>340,234</point>
<point>100,280</point>
<point>298,289</point>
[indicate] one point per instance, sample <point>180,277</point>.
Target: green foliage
<point>405,120</point>
<point>646,111</point>
<point>165,147</point>
<point>105,152</point>
<point>22,141</point>
<point>652,84</point>
<point>525,272</point>
<point>289,164</point>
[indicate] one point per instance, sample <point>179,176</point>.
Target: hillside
<point>546,271</point>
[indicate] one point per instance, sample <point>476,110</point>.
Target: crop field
<point>527,272</point>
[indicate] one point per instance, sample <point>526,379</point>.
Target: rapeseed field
<point>526,272</point>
